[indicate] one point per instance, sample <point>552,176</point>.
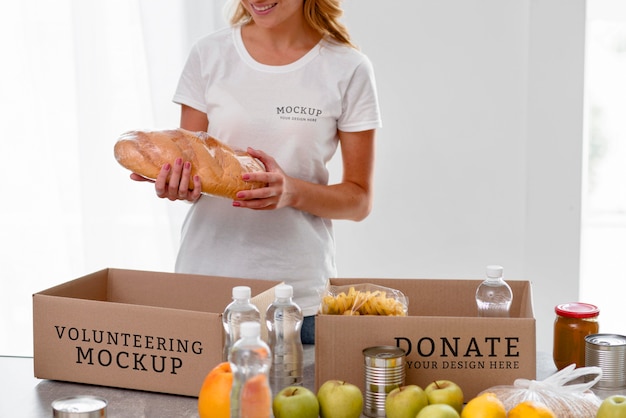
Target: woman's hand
<point>349,199</point>
<point>173,182</point>
<point>277,193</point>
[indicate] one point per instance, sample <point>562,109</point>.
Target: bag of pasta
<point>557,392</point>
<point>363,299</point>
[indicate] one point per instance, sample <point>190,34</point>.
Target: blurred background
<point>503,143</point>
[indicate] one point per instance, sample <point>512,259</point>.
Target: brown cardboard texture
<point>159,332</point>
<point>442,336</point>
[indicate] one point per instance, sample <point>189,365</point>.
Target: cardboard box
<point>443,337</point>
<point>159,332</point>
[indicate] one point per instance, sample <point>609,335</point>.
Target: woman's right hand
<point>173,182</point>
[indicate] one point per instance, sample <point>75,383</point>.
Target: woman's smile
<point>262,9</point>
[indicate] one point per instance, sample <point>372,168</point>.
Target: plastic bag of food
<point>559,392</point>
<point>363,299</point>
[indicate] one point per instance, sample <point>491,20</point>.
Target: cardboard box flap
<point>200,293</point>
<point>165,290</point>
<point>91,287</point>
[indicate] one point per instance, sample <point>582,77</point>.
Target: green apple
<point>613,406</point>
<point>295,402</point>
<point>445,392</point>
<point>438,410</point>
<point>405,401</point>
<point>339,399</point>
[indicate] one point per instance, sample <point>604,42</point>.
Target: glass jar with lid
<point>574,321</point>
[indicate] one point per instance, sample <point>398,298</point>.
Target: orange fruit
<point>485,405</point>
<point>531,409</point>
<point>214,396</point>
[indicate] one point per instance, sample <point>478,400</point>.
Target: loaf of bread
<point>220,167</point>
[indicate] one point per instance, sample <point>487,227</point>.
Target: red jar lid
<point>577,310</point>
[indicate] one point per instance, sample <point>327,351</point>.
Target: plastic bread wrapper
<point>567,392</point>
<point>363,299</point>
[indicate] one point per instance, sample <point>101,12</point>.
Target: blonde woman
<point>285,83</point>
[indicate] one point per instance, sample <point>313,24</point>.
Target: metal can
<point>384,371</point>
<point>79,407</point>
<point>607,351</point>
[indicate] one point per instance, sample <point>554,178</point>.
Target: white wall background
<point>479,159</point>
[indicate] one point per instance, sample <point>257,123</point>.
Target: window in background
<point>77,74</point>
<point>603,256</point>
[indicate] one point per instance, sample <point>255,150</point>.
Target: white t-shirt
<point>292,112</point>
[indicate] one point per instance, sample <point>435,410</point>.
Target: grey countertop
<point>24,396</point>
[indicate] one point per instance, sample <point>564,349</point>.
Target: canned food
<point>79,407</point>
<point>607,351</point>
<point>384,371</point>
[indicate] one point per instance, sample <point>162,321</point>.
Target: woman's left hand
<point>277,192</point>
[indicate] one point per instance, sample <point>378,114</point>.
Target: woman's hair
<point>322,15</point>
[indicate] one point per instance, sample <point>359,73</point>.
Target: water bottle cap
<point>283,291</point>
<point>250,329</point>
<point>241,292</point>
<point>494,271</point>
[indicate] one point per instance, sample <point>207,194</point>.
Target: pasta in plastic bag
<point>565,399</point>
<point>363,299</point>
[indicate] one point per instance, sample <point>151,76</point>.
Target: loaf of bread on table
<point>219,166</point>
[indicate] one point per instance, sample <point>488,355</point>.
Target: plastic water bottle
<point>238,311</point>
<point>250,360</point>
<point>284,321</point>
<point>494,296</point>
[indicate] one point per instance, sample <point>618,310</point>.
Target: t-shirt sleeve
<point>192,83</point>
<point>361,111</point>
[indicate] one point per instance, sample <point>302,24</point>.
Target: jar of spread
<point>574,321</point>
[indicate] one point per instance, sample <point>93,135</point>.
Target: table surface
<point>24,396</point>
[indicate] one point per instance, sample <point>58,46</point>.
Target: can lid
<point>384,351</point>
<point>79,407</point>
<point>606,340</point>
<point>577,310</point>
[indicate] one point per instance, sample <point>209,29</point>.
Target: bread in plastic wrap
<point>219,166</point>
